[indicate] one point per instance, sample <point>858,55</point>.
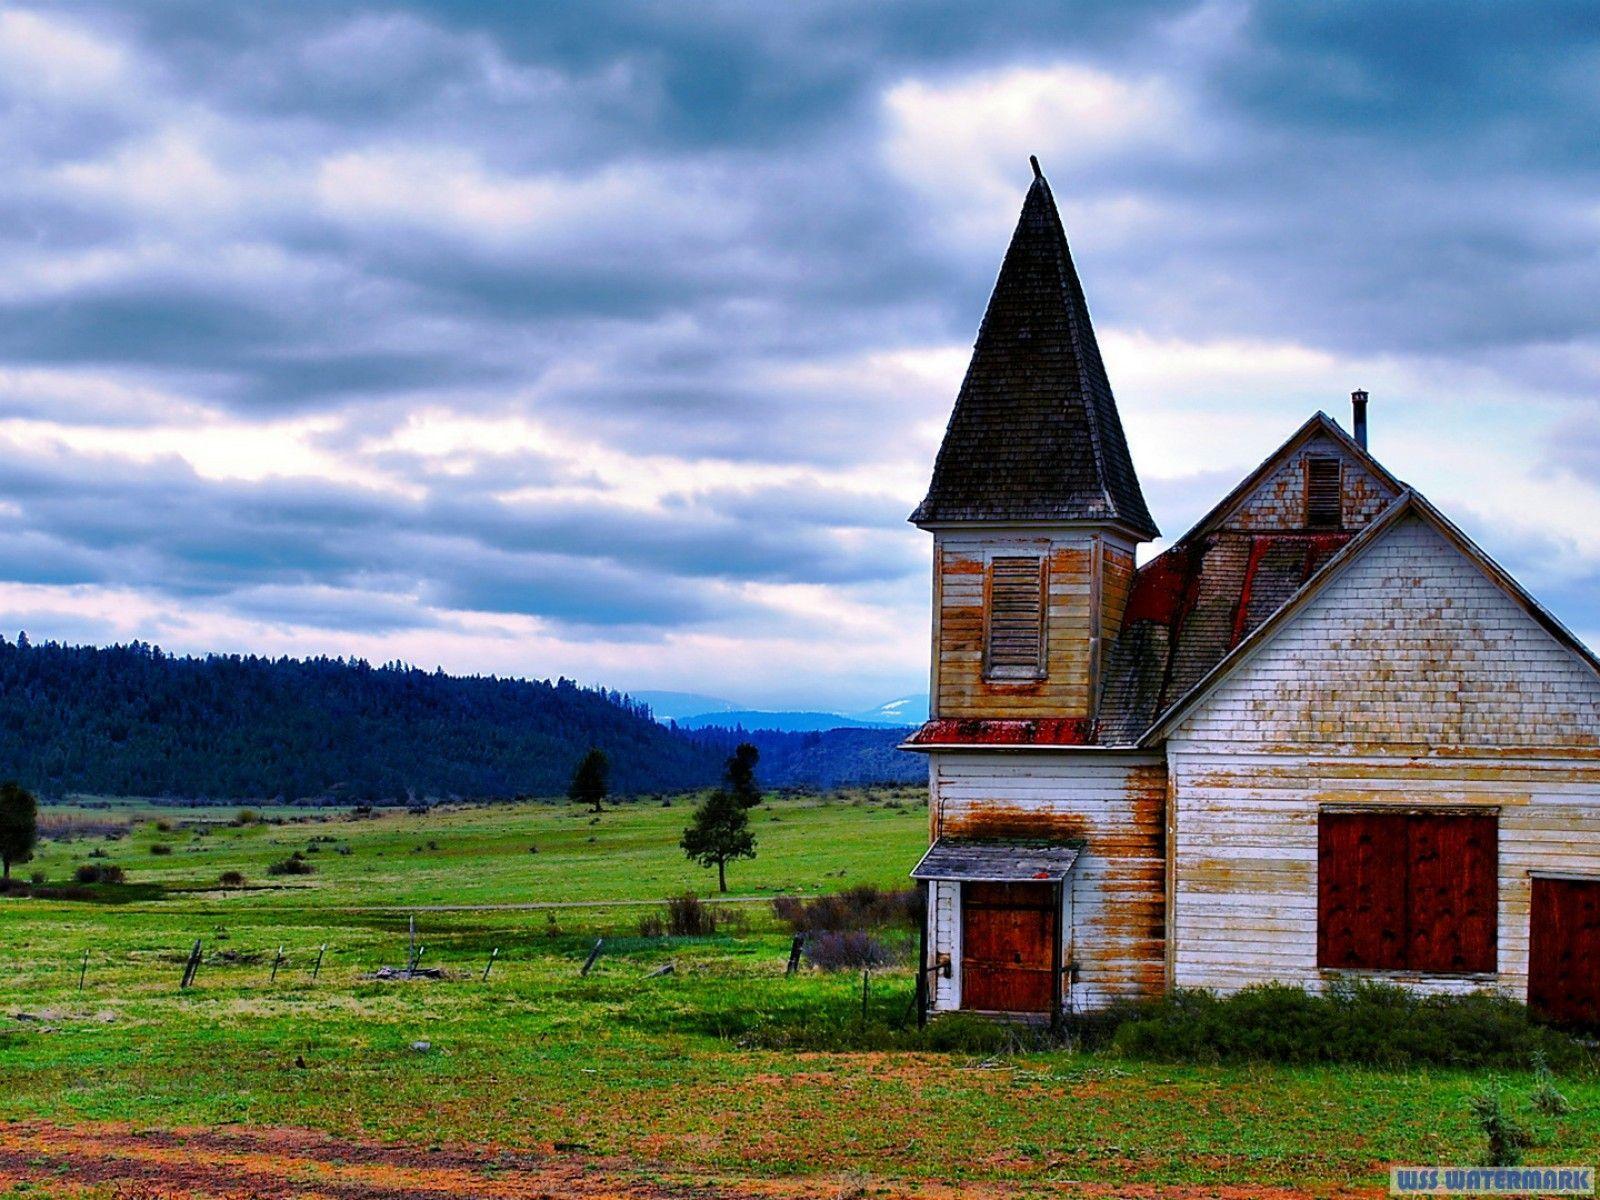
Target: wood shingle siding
<point>1411,682</point>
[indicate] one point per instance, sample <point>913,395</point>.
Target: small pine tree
<point>720,831</point>
<point>740,774</point>
<point>591,781</point>
<point>19,827</point>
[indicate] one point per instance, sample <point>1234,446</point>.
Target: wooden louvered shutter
<point>1016,617</point>
<point>1323,507</point>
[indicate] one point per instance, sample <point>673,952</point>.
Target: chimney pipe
<point>1358,402</point>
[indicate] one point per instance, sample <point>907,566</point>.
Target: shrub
<point>849,949</point>
<point>295,864</point>
<point>160,848</point>
<point>37,878</point>
<point>1547,1098</point>
<point>688,917</point>
<point>65,827</point>
<point>231,879</point>
<point>100,873</point>
<point>652,926</point>
<point>1505,1135</point>
<point>162,825</point>
<point>857,908</point>
<point>1364,1022</point>
<point>247,816</point>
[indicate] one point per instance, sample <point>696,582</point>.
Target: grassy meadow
<point>701,1073</point>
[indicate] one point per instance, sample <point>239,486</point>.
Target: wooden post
<point>190,967</point>
<point>489,966</point>
<point>794,953</point>
<point>588,963</point>
<point>922,956</point>
<point>412,969</point>
<point>316,967</point>
<point>276,961</point>
<point>1056,936</point>
<point>866,973</point>
<point>83,970</point>
<point>411,946</point>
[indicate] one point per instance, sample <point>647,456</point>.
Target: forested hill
<point>133,721</point>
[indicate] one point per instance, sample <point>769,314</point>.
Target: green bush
<point>295,864</point>
<point>1374,1023</point>
<point>99,873</point>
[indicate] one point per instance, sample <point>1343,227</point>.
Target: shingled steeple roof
<point>1035,434</point>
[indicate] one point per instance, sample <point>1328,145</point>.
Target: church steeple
<point>1035,434</point>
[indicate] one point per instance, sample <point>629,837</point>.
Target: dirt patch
<point>243,1163</point>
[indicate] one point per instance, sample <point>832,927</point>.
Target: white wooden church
<point>1323,735</point>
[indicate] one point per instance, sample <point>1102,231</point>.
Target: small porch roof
<point>996,862</point>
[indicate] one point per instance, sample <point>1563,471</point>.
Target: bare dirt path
<point>253,1163</point>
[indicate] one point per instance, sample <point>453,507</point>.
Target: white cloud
<point>963,143</point>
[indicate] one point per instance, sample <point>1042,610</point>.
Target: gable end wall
<point>1412,680</point>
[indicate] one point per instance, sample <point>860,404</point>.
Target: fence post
<point>588,963</point>
<point>276,962</point>
<point>192,966</point>
<point>83,970</point>
<point>794,953</point>
<point>489,966</point>
<point>865,973</point>
<point>316,968</point>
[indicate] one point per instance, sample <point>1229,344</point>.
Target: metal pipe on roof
<point>1358,402</point>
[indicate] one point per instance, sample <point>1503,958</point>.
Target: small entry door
<point>1564,950</point>
<point>1008,934</point>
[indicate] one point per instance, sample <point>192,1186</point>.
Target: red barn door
<point>1008,933</point>
<point>1564,950</point>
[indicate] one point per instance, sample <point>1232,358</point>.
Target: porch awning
<point>996,862</point>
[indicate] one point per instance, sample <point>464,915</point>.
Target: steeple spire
<point>1035,434</point>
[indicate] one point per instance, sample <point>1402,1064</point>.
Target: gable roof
<point>1035,435</point>
<point>1189,607</point>
<point>1409,502</point>
<point>1318,423</point>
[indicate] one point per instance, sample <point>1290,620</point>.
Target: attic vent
<point>1323,509</point>
<point>1016,617</point>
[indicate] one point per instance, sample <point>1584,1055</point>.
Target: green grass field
<point>669,1072</point>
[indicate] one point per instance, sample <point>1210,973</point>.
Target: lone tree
<point>740,773</point>
<point>720,831</point>
<point>591,781</point>
<point>19,827</point>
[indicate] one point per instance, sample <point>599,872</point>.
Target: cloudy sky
<point>615,340</point>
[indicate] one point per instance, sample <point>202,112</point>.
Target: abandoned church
<point>1321,736</point>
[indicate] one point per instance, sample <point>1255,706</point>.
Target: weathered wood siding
<point>1412,680</point>
<point>1278,502</point>
<point>1088,579</point>
<point>1113,924</point>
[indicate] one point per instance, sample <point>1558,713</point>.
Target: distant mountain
<point>907,710</point>
<point>787,722</point>
<point>824,759</point>
<point>675,706</point>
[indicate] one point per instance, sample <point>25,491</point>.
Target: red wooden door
<point>1008,933</point>
<point>1564,950</point>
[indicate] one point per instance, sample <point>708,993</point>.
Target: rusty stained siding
<point>1116,583</point>
<point>1411,681</point>
<point>1279,501</point>
<point>1114,924</point>
<point>1071,625</point>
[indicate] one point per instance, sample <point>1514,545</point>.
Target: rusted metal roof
<point>1035,434</point>
<point>996,862</point>
<point>1192,605</point>
<point>1044,731</point>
